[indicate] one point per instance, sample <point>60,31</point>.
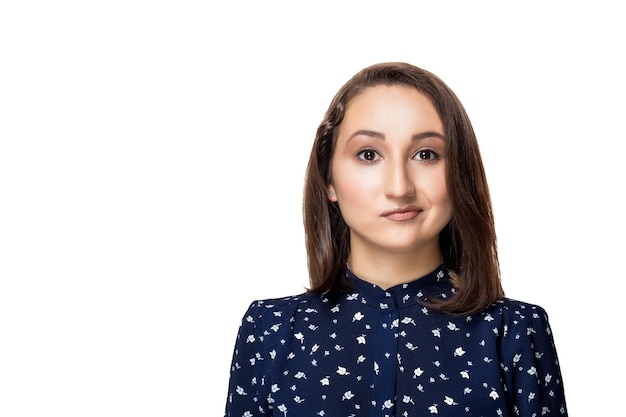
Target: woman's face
<point>388,172</point>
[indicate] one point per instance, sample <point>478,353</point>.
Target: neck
<point>390,269</point>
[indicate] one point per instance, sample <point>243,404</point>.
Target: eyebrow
<point>378,135</point>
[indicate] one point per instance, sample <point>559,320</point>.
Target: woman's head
<point>467,242</point>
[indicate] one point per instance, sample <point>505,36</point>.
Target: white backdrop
<point>151,168</point>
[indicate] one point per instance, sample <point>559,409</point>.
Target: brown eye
<point>367,155</point>
<point>426,155</point>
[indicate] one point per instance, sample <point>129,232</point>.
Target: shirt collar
<point>436,283</point>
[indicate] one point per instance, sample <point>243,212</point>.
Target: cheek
<point>354,186</point>
<point>352,190</point>
<point>440,192</point>
<point>443,199</point>
<point>437,191</point>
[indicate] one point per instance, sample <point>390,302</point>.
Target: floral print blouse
<point>375,352</point>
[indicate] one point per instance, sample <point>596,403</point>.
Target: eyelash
<point>362,152</point>
<point>434,156</point>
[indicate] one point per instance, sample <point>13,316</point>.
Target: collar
<point>436,283</point>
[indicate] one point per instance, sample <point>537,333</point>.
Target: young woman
<point>405,314</point>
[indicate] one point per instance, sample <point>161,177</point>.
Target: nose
<point>398,182</point>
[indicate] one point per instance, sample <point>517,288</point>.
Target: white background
<point>151,168</point>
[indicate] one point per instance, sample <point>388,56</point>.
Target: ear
<point>331,193</point>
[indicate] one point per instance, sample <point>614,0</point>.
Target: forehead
<point>389,105</point>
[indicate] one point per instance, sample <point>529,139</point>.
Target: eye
<point>426,155</point>
<point>367,155</point>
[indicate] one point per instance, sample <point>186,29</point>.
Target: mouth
<point>402,213</point>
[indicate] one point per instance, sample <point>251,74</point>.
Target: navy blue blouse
<point>375,352</point>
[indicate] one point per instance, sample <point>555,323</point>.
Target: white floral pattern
<point>375,352</point>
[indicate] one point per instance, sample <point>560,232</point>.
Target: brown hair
<point>468,242</point>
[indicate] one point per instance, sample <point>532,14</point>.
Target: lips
<point>402,213</point>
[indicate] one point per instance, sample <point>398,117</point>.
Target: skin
<point>388,178</point>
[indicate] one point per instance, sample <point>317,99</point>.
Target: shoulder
<point>264,313</point>
<point>515,308</point>
<point>521,321</point>
<point>279,304</point>
<point>515,316</point>
<point>269,322</point>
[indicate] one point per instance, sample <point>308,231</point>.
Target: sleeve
<point>531,368</point>
<point>245,387</point>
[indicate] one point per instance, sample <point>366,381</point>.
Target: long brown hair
<point>468,242</point>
